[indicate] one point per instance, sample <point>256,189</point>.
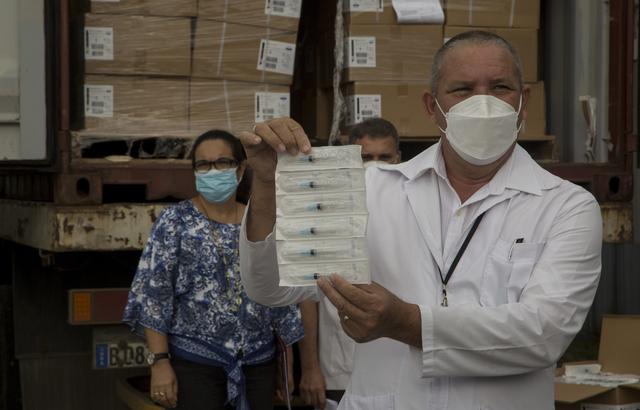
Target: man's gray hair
<point>472,37</point>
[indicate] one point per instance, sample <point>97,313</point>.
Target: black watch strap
<point>159,356</point>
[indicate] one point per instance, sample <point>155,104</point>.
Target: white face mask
<point>481,128</point>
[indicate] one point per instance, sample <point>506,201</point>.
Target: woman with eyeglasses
<point>210,346</point>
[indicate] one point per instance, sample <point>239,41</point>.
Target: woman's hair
<point>234,143</point>
<point>244,188</point>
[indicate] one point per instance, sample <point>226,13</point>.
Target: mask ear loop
<point>443,114</point>
<point>519,108</point>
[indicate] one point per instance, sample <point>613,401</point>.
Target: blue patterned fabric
<point>188,287</point>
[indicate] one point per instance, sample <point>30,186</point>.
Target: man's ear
<point>429,102</point>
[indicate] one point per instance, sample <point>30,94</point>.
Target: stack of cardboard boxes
<point>181,67</point>
<point>387,67</point>
<point>518,22</point>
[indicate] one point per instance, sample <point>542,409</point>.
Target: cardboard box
<point>117,44</point>
<point>136,104</point>
<point>387,53</point>
<point>536,122</point>
<point>525,41</point>
<point>619,353</point>
<point>398,102</point>
<point>170,8</point>
<point>235,106</point>
<point>493,13</point>
<point>281,14</point>
<point>244,53</point>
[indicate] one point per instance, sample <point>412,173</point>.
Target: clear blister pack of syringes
<point>321,216</point>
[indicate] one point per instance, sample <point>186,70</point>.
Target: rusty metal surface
<point>77,228</point>
<point>617,221</point>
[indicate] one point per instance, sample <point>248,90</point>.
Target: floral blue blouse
<point>188,287</point>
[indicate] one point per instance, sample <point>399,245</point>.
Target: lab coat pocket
<point>353,402</point>
<point>507,271</point>
<point>523,257</point>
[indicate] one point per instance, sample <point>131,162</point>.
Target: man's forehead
<point>468,61</point>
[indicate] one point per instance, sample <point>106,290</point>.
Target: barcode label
<point>276,57</point>
<point>98,43</point>
<point>98,101</point>
<point>284,8</point>
<point>364,5</point>
<point>271,105</point>
<point>362,107</point>
<point>360,51</point>
<point>418,12</point>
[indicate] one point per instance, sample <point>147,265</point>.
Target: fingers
<point>268,136</point>
<point>281,134</point>
<point>341,297</point>
<point>249,139</point>
<point>281,129</point>
<point>165,395</point>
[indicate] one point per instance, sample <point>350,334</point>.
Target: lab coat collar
<point>520,172</point>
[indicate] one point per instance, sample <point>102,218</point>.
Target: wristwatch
<point>152,358</point>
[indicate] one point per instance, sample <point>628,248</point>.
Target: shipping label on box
<point>361,51</point>
<point>98,101</point>
<point>272,105</point>
<point>364,5</point>
<point>276,57</point>
<point>98,43</point>
<point>361,107</point>
<point>418,11</point>
<point>283,8</point>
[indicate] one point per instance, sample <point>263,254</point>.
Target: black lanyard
<point>452,268</point>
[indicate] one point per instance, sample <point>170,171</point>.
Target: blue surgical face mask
<point>217,186</point>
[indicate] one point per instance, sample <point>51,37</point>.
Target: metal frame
<point>601,178</point>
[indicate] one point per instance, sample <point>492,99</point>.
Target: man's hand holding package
<point>268,138</point>
<point>369,312</point>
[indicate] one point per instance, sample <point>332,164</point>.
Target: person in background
<point>211,347</point>
<point>379,140</point>
<point>326,352</point>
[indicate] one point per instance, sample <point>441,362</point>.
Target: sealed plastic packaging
<point>356,272</point>
<point>319,181</point>
<point>329,158</point>
<point>325,227</point>
<point>321,204</point>
<point>321,216</point>
<point>328,250</point>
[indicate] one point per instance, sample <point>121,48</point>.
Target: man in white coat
<point>484,265</point>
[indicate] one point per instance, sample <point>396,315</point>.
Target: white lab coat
<point>513,307</point>
<point>335,348</point>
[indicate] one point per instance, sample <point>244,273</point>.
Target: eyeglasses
<point>221,164</point>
